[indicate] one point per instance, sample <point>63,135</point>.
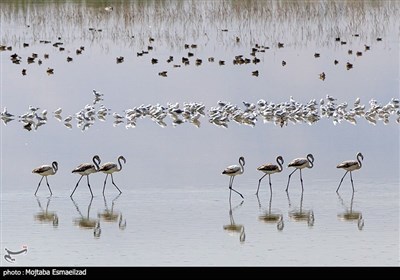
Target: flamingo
<point>299,164</point>
<point>269,169</point>
<point>350,165</point>
<point>85,169</point>
<point>44,171</point>
<point>232,171</point>
<point>110,168</point>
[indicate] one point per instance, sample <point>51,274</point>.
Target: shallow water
<point>175,200</point>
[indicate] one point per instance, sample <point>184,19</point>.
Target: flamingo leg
<point>112,180</point>
<point>90,189</point>
<point>351,178</point>
<point>39,185</point>
<point>232,189</point>
<point>47,182</point>
<point>342,181</point>
<point>270,185</point>
<point>237,193</point>
<point>76,186</point>
<point>105,181</point>
<point>301,180</point>
<point>287,187</point>
<point>259,181</point>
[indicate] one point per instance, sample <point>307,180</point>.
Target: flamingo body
<point>299,164</point>
<point>232,171</point>
<point>350,166</point>
<point>269,169</point>
<point>109,168</point>
<point>44,171</point>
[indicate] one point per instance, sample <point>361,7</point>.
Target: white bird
<point>6,114</point>
<point>44,171</point>
<point>110,168</point>
<point>269,169</point>
<point>97,94</point>
<point>299,164</point>
<point>33,109</point>
<point>232,171</point>
<point>350,165</point>
<point>85,169</point>
<point>58,111</point>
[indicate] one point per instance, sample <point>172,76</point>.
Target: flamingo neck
<point>241,167</point>
<point>120,164</point>
<point>55,168</point>
<point>96,164</point>
<point>359,161</point>
<point>310,162</point>
<point>280,165</point>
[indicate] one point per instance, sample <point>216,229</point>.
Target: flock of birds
<point>297,164</point>
<point>280,114</point>
<point>190,57</point>
<point>85,169</point>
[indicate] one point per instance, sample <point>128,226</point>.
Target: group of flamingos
<point>85,169</point>
<point>298,164</point>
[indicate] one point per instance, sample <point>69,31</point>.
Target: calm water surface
<point>174,208</point>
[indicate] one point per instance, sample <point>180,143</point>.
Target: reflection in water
<point>271,217</point>
<point>232,228</point>
<point>44,215</point>
<point>300,214</point>
<point>350,214</point>
<point>87,222</point>
<point>111,215</point>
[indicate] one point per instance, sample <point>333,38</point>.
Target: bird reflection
<point>271,217</point>
<point>111,215</point>
<point>44,215</point>
<point>6,120</point>
<point>300,214</point>
<point>87,222</point>
<point>234,228</point>
<point>350,215</point>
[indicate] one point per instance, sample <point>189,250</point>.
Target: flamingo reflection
<point>85,222</point>
<point>350,215</point>
<point>111,215</point>
<point>232,228</point>
<point>271,217</point>
<point>44,215</point>
<point>300,214</point>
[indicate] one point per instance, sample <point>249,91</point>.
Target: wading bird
<point>232,171</point>
<point>44,171</point>
<point>269,169</point>
<point>110,168</point>
<point>350,165</point>
<point>299,164</point>
<point>85,169</point>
